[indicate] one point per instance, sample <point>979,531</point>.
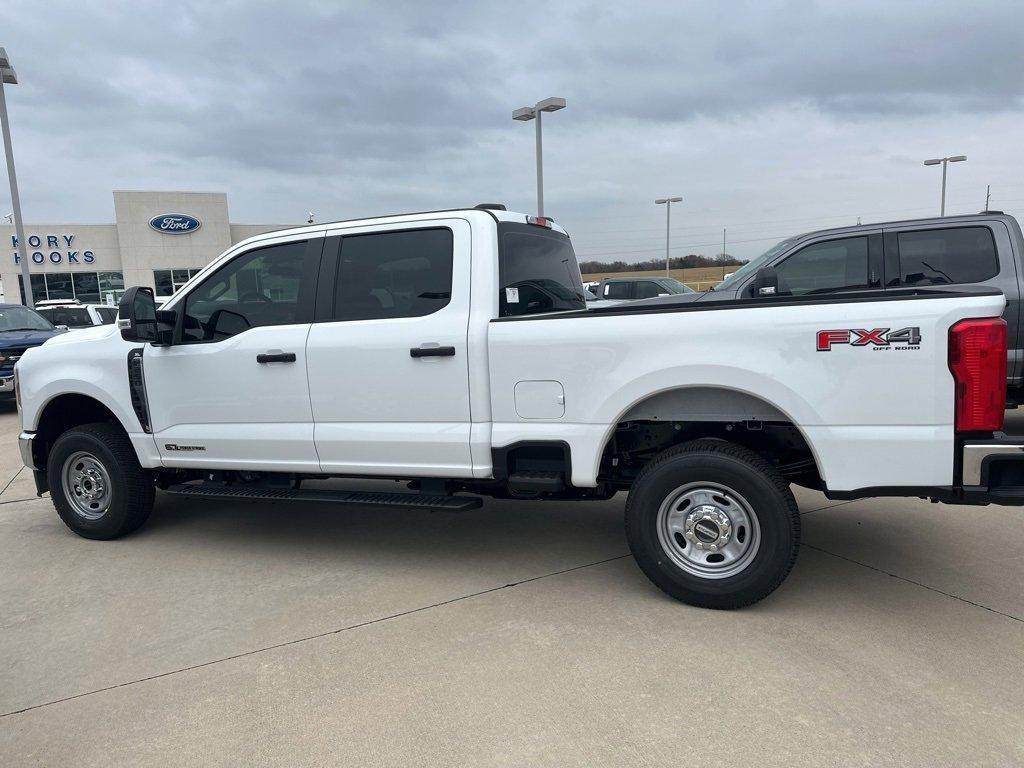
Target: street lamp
<point>944,161</point>
<point>8,76</point>
<point>552,104</point>
<point>667,202</point>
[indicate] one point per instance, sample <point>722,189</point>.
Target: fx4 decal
<point>876,338</point>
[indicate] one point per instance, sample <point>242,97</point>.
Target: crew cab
<point>453,350</point>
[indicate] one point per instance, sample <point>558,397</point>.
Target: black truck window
<point>537,271</point>
<point>947,256</point>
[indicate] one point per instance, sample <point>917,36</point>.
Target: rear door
<point>964,254</point>
<point>387,358</point>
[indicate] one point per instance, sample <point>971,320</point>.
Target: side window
<point>945,256</point>
<point>72,317</point>
<point>833,265</point>
<point>646,289</point>
<point>617,290</point>
<point>257,288</point>
<point>394,274</point>
<point>107,314</point>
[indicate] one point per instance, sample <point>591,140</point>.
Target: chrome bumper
<point>25,446</point>
<point>7,384</point>
<point>976,457</point>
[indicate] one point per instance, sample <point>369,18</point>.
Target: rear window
<point>72,317</point>
<point>947,256</point>
<point>537,271</point>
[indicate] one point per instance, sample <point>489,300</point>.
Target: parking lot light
<point>9,77</point>
<point>524,114</point>
<point>944,161</point>
<point>667,202</point>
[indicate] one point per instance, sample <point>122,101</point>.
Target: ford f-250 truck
<point>453,350</point>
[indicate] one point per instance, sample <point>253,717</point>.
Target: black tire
<point>721,464</point>
<point>131,490</point>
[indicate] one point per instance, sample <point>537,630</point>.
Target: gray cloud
<point>362,107</point>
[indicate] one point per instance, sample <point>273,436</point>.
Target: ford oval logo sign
<point>175,223</point>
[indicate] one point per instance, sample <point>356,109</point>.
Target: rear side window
<point>537,271</point>
<point>645,289</point>
<point>394,274</point>
<point>947,256</point>
<point>617,290</point>
<point>832,265</point>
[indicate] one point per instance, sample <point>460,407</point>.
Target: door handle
<point>432,352</point>
<point>275,357</point>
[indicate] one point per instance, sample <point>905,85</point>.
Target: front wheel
<point>97,485</point>
<point>713,524</point>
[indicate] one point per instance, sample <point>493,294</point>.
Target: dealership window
<point>86,287</point>
<point>168,281</point>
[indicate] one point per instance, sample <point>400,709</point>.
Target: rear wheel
<point>97,485</point>
<point>713,524</point>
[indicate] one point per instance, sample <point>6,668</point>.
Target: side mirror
<point>136,315</point>
<point>61,328</point>
<point>766,282</point>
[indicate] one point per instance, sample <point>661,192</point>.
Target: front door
<point>231,392</point>
<point>387,361</point>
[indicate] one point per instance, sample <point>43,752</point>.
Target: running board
<point>355,498</point>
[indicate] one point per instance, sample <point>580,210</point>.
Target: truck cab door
<point>231,392</point>
<point>387,358</point>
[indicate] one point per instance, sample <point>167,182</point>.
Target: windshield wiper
<point>4,330</point>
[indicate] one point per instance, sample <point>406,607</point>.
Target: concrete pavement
<point>228,634</point>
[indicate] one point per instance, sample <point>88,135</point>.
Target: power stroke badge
<point>875,338</point>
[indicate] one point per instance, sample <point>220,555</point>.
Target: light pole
<point>552,104</point>
<point>8,76</point>
<point>667,202</point>
<point>945,161</point>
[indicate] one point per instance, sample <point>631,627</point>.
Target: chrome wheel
<point>86,485</point>
<point>708,530</point>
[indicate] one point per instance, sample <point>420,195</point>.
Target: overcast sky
<point>768,118</point>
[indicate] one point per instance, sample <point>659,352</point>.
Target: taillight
<point>540,221</point>
<point>977,358</point>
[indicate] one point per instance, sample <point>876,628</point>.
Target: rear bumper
<point>991,472</point>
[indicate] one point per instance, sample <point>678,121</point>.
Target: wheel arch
<point>707,405</point>
<point>63,412</point>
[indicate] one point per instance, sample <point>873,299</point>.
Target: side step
<point>535,480</point>
<point>358,498</point>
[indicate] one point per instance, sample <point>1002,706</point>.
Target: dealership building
<point>157,239</point>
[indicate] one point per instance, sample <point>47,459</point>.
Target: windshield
<point>538,271</point>
<point>674,285</point>
<point>23,319</point>
<point>755,264</point>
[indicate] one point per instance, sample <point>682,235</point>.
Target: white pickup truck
<point>453,350</point>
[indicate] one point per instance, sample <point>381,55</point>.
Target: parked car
<point>75,315</point>
<point>635,288</point>
<point>453,350</point>
<point>984,250</point>
<point>21,328</point>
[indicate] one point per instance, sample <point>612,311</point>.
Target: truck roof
<point>392,218</point>
<point>946,220</point>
